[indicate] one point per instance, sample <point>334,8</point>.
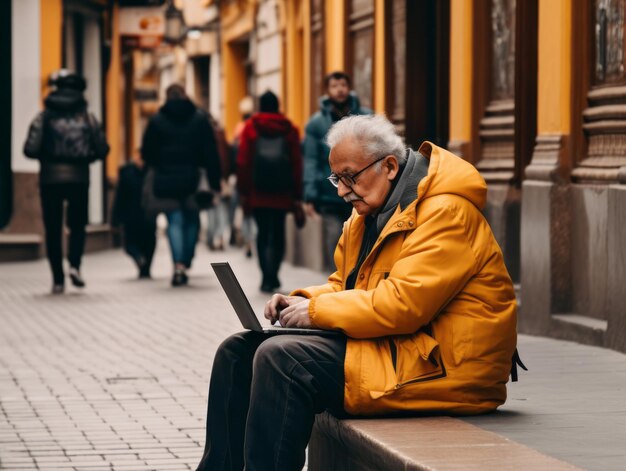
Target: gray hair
<point>375,134</point>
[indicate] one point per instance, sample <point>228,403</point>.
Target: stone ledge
<point>18,247</point>
<point>417,444</point>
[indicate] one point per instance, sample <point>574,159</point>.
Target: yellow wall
<point>379,56</point>
<point>233,86</point>
<point>114,100</point>
<point>335,24</point>
<point>554,64</point>
<point>306,66</point>
<point>293,65</point>
<point>237,20</point>
<point>461,70</point>
<point>51,42</point>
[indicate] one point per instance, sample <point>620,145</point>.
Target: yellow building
<point>531,92</point>
<point>41,37</point>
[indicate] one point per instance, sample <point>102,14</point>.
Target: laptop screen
<point>236,296</point>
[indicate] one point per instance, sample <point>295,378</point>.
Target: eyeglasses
<point>349,180</point>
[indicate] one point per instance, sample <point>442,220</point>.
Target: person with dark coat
<point>269,194</point>
<point>139,229</point>
<point>66,139</point>
<point>319,197</point>
<point>178,143</point>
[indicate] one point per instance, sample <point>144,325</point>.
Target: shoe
<point>180,278</point>
<point>144,268</point>
<point>77,280</point>
<point>58,288</point>
<point>248,252</point>
<point>266,288</point>
<point>233,237</point>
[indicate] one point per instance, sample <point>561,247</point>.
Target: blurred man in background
<point>180,143</point>
<point>319,197</point>
<point>269,180</point>
<point>65,138</point>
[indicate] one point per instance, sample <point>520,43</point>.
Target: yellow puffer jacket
<point>435,287</point>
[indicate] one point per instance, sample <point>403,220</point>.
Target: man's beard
<point>340,104</point>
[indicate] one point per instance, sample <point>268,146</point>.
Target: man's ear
<point>391,165</point>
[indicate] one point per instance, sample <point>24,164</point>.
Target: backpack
<point>69,137</point>
<point>272,169</point>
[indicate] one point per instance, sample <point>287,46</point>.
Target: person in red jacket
<point>269,180</point>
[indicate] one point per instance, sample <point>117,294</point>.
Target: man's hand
<point>309,210</point>
<point>277,303</point>
<point>296,315</point>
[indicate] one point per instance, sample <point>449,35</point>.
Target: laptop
<point>244,310</point>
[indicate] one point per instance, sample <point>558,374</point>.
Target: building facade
<point>531,92</point>
<point>39,37</point>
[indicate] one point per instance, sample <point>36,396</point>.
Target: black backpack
<point>272,168</point>
<point>70,137</point>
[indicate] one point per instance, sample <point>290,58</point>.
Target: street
<point>115,377</point>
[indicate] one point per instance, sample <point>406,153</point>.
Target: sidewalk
<point>115,376</point>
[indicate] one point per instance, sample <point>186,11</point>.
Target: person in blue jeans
<point>180,141</point>
<point>182,233</point>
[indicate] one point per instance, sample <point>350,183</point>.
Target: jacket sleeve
<point>311,168</point>
<point>436,261</point>
<point>149,144</point>
<point>296,153</point>
<point>245,155</point>
<point>99,140</point>
<point>209,153</point>
<point>34,139</point>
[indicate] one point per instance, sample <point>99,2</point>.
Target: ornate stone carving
<point>497,127</point>
<point>605,128</point>
<point>609,41</point>
<point>497,132</point>
<point>546,157</point>
<point>503,63</point>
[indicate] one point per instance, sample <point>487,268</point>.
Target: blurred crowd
<point>246,186</point>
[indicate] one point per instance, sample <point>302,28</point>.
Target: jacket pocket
<point>403,361</point>
<point>417,359</point>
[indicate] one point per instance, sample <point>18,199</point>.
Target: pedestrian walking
<point>217,214</point>
<point>180,150</point>
<point>319,197</point>
<point>269,180</point>
<point>66,138</point>
<point>242,230</point>
<point>138,227</point>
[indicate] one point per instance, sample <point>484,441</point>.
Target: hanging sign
<point>142,27</point>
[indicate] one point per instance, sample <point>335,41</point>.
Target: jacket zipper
<point>443,374</point>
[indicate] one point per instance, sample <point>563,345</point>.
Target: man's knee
<point>275,353</point>
<point>236,346</point>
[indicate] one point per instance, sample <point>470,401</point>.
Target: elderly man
<point>420,293</point>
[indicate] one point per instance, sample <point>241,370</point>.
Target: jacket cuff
<point>312,313</point>
<point>301,292</point>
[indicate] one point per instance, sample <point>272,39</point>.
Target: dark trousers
<point>263,397</point>
<point>270,243</point>
<point>52,198</point>
<point>140,241</point>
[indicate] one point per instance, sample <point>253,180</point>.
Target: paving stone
<point>120,370</point>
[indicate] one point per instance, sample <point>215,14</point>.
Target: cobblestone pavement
<point>114,376</point>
